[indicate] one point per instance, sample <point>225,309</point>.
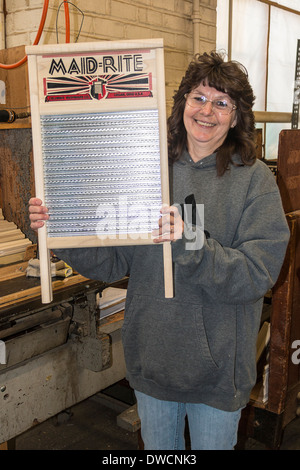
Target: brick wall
<point>117,20</point>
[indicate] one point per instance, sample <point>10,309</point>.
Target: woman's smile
<point>204,124</point>
<point>206,127</point>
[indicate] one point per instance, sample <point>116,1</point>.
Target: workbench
<point>58,354</point>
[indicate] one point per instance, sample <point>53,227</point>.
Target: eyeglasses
<point>221,106</point>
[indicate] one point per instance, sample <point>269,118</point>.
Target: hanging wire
<point>36,41</point>
<point>41,27</point>
<point>67,20</point>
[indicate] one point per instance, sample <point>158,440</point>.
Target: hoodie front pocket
<point>166,342</point>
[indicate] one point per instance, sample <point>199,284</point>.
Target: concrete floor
<point>92,425</point>
<point>89,425</point>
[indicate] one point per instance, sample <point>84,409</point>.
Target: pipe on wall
<point>196,18</point>
<point>272,116</point>
<point>2,25</point>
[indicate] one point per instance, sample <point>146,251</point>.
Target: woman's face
<point>206,125</point>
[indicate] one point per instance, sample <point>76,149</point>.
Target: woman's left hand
<point>170,225</point>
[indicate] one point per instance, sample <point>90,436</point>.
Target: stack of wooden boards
<point>13,243</point>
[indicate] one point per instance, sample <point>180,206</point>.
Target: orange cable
<point>36,41</point>
<point>67,20</point>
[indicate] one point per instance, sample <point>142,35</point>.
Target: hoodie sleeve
<point>244,271</point>
<point>102,263</point>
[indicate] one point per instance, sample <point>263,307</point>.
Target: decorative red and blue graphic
<point>98,87</point>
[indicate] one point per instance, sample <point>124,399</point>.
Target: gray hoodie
<point>200,346</point>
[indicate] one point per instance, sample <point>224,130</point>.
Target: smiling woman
<point>194,355</point>
<point>205,129</point>
<point>207,121</point>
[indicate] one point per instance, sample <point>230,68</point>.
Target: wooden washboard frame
<point>97,80</point>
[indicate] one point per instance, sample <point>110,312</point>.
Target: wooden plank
<point>13,271</point>
<point>91,240</point>
<point>9,259</point>
<point>269,116</point>
<point>288,169</point>
<point>11,235</point>
<point>30,252</point>
<point>5,226</point>
<point>13,244</point>
<point>129,419</point>
<point>281,327</point>
<point>111,323</point>
<point>164,169</point>
<point>288,179</point>
<point>44,253</point>
<point>27,294</point>
<point>11,248</point>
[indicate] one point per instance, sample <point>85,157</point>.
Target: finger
<point>172,224</point>
<point>37,220</point>
<point>35,216</point>
<point>163,239</point>
<point>35,206</point>
<point>165,225</point>
<point>173,210</point>
<point>35,201</point>
<point>164,234</point>
<point>36,225</point>
<point>167,217</point>
<point>34,209</point>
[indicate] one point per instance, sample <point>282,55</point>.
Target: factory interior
<point>63,378</point>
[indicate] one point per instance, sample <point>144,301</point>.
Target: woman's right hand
<point>37,213</point>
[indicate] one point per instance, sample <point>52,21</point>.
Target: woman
<point>194,355</point>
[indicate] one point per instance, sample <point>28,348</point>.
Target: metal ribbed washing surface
<point>102,172</point>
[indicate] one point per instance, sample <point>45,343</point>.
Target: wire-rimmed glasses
<point>220,106</point>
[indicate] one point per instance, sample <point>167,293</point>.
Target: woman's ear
<point>234,123</point>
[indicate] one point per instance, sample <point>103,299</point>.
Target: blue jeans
<point>163,423</point>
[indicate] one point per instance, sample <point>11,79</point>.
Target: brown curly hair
<point>228,77</point>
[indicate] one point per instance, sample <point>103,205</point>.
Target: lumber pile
<point>13,243</point>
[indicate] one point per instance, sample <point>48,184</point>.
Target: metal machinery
<point>56,355</point>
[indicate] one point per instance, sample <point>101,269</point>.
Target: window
<point>263,36</point>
